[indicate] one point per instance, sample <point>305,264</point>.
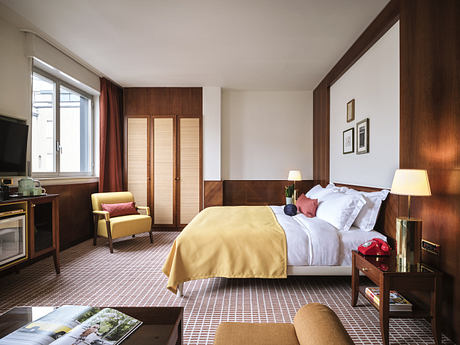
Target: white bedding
<point>315,242</point>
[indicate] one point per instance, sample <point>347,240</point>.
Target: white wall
<point>15,70</point>
<point>211,133</point>
<point>373,81</point>
<point>266,133</point>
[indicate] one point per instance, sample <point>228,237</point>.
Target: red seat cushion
<point>307,206</point>
<point>121,209</point>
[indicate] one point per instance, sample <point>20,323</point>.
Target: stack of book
<point>397,302</point>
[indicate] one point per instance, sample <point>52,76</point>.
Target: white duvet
<point>315,242</point>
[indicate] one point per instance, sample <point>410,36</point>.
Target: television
<point>13,146</point>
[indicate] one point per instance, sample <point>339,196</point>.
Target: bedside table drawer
<point>368,269</point>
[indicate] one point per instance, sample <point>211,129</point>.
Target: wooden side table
<point>385,273</point>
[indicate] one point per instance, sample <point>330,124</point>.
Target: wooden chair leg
<point>109,235</point>
<point>96,219</point>
<point>151,236</point>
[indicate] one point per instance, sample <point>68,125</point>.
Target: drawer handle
<point>364,269</point>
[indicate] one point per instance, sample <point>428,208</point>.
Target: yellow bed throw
<point>231,242</point>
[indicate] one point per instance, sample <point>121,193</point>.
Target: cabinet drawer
<point>368,269</point>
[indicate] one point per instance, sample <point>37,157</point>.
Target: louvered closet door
<point>189,168</point>
<point>137,147</point>
<point>163,171</point>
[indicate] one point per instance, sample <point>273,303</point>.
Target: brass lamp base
<point>408,242</point>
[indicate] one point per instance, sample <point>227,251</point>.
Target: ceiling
<point>240,44</point>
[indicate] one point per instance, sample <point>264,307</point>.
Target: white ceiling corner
<point>240,44</point>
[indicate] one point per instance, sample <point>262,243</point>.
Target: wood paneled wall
<point>213,193</point>
<point>259,192</point>
<point>429,125</point>
<point>75,212</point>
<point>163,101</point>
<point>430,128</point>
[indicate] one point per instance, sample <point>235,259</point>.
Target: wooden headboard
<point>386,221</point>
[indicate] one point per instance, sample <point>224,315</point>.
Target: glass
<point>75,131</point>
<point>12,239</point>
<point>43,124</point>
<point>43,226</point>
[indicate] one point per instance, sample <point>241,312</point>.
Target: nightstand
<point>384,272</point>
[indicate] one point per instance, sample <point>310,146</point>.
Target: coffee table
<point>161,325</point>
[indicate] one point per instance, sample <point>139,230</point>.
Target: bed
<point>264,242</point>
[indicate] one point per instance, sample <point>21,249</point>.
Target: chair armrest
<point>106,214</point>
<point>146,208</point>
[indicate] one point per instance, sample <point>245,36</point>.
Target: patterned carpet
<point>132,277</point>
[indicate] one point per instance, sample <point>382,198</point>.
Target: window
<point>62,131</point>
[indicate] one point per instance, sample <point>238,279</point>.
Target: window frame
<point>57,135</point>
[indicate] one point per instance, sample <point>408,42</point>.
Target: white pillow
<point>367,217</point>
<point>340,209</point>
<point>318,191</point>
<point>311,194</point>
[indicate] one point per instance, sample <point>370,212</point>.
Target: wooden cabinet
<point>163,152</point>
<point>164,166</point>
<point>41,235</point>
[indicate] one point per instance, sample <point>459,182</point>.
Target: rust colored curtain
<point>111,137</point>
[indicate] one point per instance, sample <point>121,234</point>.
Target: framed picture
<point>351,110</point>
<point>348,140</point>
<point>362,133</point>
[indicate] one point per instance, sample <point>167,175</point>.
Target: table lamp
<point>294,175</point>
<point>410,182</point>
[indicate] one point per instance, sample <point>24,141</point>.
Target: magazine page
<point>108,327</point>
<point>50,327</point>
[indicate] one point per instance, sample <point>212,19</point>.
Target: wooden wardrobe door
<point>163,171</point>
<point>189,168</point>
<point>137,147</point>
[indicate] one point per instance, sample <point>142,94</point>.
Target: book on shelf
<point>397,301</point>
<point>70,325</point>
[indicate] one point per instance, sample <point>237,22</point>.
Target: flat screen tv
<point>13,146</point>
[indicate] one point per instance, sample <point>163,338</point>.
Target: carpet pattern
<point>132,277</point>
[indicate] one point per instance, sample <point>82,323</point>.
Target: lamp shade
<point>412,182</point>
<point>295,175</point>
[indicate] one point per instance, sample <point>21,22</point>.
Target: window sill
<point>50,181</point>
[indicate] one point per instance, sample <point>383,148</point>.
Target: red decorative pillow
<point>121,209</point>
<point>307,206</point>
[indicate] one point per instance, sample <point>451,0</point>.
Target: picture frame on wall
<point>362,134</point>
<point>348,141</point>
<point>351,110</point>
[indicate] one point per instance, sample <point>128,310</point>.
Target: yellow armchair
<point>121,226</point>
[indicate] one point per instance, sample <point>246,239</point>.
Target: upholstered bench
<point>314,324</point>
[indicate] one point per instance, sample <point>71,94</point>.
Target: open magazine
<point>75,325</point>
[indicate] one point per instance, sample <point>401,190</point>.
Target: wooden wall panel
<point>213,193</point>
<point>75,212</point>
<point>430,129</point>
<point>321,133</point>
<point>429,126</point>
<point>259,192</point>
<point>163,101</point>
